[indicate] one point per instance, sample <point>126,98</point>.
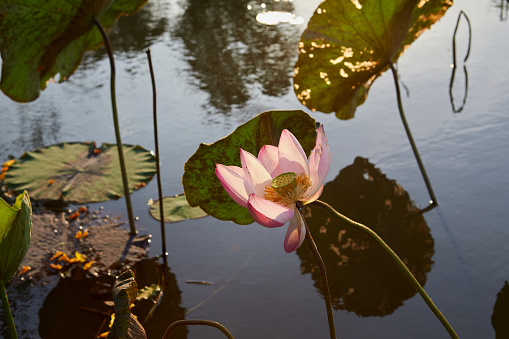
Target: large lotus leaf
<point>15,234</point>
<point>41,38</point>
<point>79,173</point>
<point>125,324</point>
<point>201,185</point>
<point>175,209</point>
<point>348,44</point>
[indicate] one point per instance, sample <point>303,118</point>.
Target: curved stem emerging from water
<point>433,201</point>
<point>211,323</point>
<point>117,129</point>
<point>7,311</point>
<point>398,262</point>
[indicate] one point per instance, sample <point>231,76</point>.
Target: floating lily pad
<point>201,185</point>
<point>41,38</point>
<point>79,172</point>
<point>348,44</point>
<point>175,208</point>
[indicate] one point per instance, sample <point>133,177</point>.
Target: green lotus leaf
<point>175,209</point>
<point>201,185</point>
<point>79,172</point>
<point>125,324</point>
<point>348,44</point>
<point>15,234</point>
<point>42,38</point>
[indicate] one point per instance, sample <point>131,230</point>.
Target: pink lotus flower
<point>270,186</point>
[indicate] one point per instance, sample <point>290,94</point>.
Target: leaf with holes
<point>42,38</point>
<point>79,172</point>
<point>348,44</point>
<point>201,185</point>
<point>175,209</point>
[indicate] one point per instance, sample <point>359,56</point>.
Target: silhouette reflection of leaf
<point>501,313</point>
<point>76,305</point>
<point>229,53</point>
<point>362,277</point>
<point>157,317</point>
<point>66,306</point>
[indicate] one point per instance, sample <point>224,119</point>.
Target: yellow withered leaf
<point>78,257</point>
<point>57,267</point>
<point>8,163</point>
<point>81,235</point>
<point>88,265</point>
<point>24,270</point>
<point>56,255</point>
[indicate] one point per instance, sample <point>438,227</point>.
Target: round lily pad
<point>175,209</point>
<point>79,172</point>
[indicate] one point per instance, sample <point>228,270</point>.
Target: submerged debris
<point>94,242</point>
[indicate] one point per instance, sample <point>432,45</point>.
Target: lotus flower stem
<point>158,169</point>
<point>117,129</point>
<point>398,262</point>
<point>187,322</point>
<point>325,283</point>
<point>7,311</point>
<point>433,201</point>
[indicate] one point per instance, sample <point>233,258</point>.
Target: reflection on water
<point>454,64</point>
<point>133,34</point>
<point>501,313</point>
<point>25,301</point>
<point>38,125</point>
<point>156,318</point>
<point>73,302</point>
<point>362,277</point>
<point>274,18</point>
<point>79,303</point>
<point>503,5</point>
<point>230,53</point>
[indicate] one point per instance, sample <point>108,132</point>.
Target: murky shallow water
<point>216,67</point>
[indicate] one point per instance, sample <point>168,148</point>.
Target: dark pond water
<point>217,67</point>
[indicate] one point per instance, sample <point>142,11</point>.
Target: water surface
<point>217,67</point>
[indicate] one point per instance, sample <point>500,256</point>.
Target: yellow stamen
<point>289,193</point>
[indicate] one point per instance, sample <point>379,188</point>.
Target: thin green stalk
<point>325,283</point>
<point>211,323</point>
<point>398,262</point>
<point>433,201</point>
<point>158,169</point>
<point>117,129</point>
<point>7,311</point>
